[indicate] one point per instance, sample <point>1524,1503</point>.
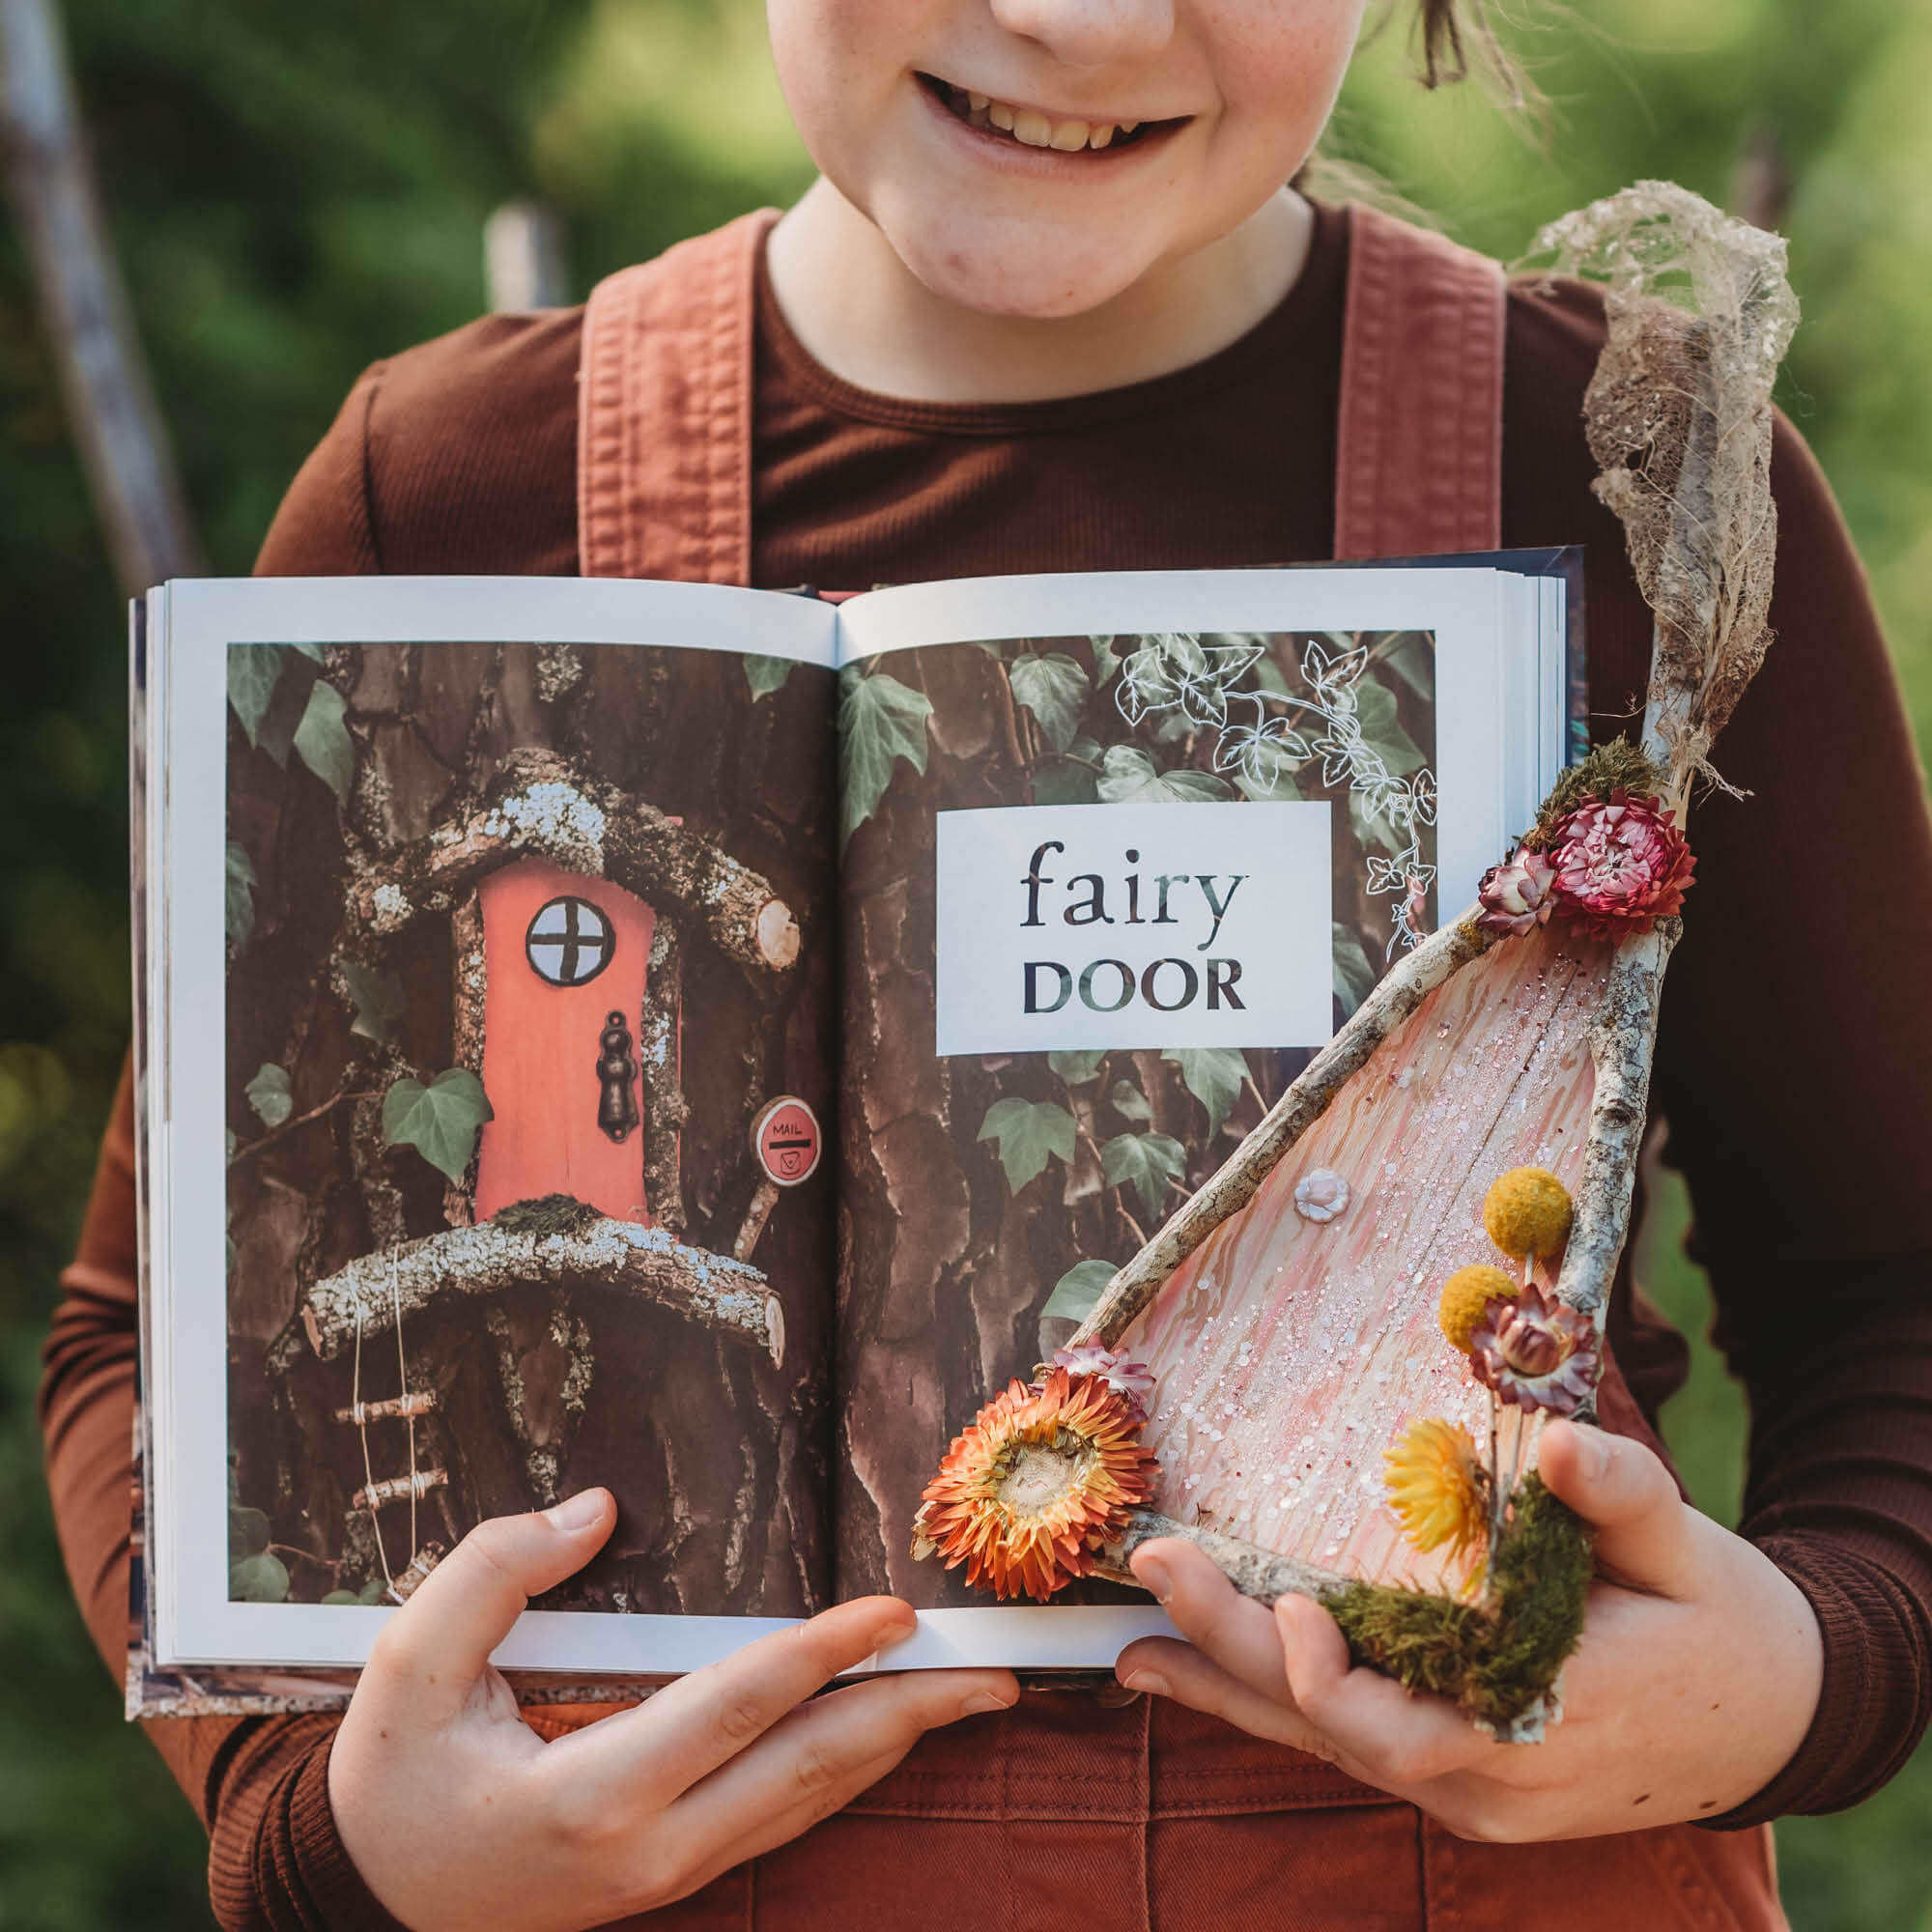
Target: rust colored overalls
<point>1072,1810</point>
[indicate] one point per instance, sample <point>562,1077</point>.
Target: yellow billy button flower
<point>1437,1488</point>
<point>1465,1297</point>
<point>1527,1213</point>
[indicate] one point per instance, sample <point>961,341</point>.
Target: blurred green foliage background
<point>296,190</point>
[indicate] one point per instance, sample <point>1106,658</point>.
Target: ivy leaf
<point>1076,1069</point>
<point>253,672</point>
<point>1214,1075</point>
<point>1354,973</point>
<point>1375,708</point>
<point>1131,1103</point>
<point>1374,829</point>
<point>765,674</point>
<point>440,1120</point>
<point>1029,1133</point>
<point>1128,777</point>
<point>322,739</point>
<point>372,1592</point>
<point>341,1597</point>
<point>270,1096</point>
<point>1054,688</point>
<point>258,1580</point>
<point>1076,1291</point>
<point>1267,773</point>
<point>880,722</point>
<point>1151,1162</point>
<point>378,1000</point>
<point>247,1532</point>
<point>1106,661</point>
<point>1412,659</point>
<point>1066,782</point>
<point>240,912</point>
<point>1074,779</point>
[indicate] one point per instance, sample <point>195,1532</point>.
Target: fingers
<point>648,1756</point>
<point>822,1755</point>
<point>1164,1668</point>
<point>1376,1730</point>
<point>1643,1526</point>
<point>1235,1630</point>
<point>435,1647</point>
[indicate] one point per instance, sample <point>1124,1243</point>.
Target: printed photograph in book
<point>529,1014</point>
<point>1103,896</point>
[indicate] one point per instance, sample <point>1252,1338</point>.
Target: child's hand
<point>457,1816</point>
<point>1694,1683</point>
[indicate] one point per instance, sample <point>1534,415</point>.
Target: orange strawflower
<point>1036,1484</point>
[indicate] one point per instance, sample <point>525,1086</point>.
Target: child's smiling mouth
<point>1028,127</point>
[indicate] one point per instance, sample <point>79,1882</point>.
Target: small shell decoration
<point>1321,1194</point>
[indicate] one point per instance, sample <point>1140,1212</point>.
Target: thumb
<point>1629,1497</point>
<point>437,1645</point>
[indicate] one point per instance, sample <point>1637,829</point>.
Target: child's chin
<point>1026,284</point>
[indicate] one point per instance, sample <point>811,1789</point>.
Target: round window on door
<point>569,942</point>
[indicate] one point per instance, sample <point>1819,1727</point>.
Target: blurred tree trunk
<point>110,401</point>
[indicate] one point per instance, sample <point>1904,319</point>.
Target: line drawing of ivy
<point>1176,677</point>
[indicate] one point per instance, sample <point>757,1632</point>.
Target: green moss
<point>1496,1658</point>
<point>1618,766</point>
<point>547,1214</point>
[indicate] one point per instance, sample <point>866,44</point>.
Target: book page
<point>497,1038</point>
<point>1122,853</point>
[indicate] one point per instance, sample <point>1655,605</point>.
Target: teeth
<point>1033,128</point>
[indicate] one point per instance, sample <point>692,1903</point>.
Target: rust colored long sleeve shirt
<point>1795,1056</point>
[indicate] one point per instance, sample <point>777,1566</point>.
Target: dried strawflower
<point>1536,1353</point>
<point>1465,1298</point>
<point>1037,1483</point>
<point>1516,896</point>
<point>1438,1488</point>
<point>1133,1380</point>
<point>1527,1212</point>
<point>1621,864</point>
<point>1321,1194</point>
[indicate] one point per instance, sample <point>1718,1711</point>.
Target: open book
<point>702,1042</point>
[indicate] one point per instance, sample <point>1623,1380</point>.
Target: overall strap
<point>1419,448</point>
<point>664,412</point>
<point>664,454</point>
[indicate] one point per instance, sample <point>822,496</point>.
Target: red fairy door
<point>564,960</point>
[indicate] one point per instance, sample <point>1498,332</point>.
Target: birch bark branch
<point>539,806</point>
<point>488,1259</point>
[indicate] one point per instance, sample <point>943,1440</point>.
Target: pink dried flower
<point>1621,864</point>
<point>1536,1353</point>
<point>1516,896</point>
<point>1132,1379</point>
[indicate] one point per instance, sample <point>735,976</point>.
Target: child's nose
<point>1090,33</point>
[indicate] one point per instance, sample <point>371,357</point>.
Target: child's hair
<point>1456,39</point>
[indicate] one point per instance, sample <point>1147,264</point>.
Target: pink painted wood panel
<point>1290,1353</point>
<point>540,1049</point>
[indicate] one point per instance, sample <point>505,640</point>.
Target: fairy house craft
<point>1328,1369</point>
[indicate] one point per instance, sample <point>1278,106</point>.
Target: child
<point>1047,308</point>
